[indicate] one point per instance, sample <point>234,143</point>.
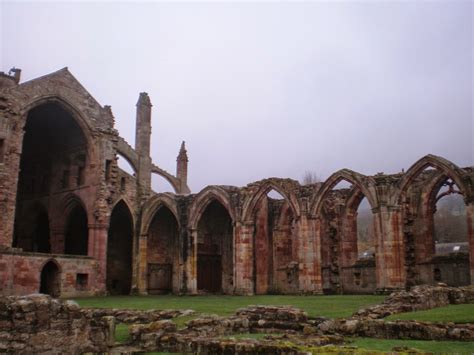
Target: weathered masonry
<point>73,223</point>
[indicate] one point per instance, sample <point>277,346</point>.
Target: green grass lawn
<point>459,313</point>
<point>437,347</point>
<point>327,306</point>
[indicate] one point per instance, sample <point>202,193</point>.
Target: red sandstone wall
<point>20,273</point>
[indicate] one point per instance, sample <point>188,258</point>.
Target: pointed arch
<point>251,203</point>
<point>153,205</point>
<point>128,204</point>
<point>75,224</point>
<point>204,198</point>
<point>69,108</point>
<point>357,179</point>
<point>448,168</point>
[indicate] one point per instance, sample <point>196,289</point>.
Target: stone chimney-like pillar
<point>182,167</point>
<point>142,144</point>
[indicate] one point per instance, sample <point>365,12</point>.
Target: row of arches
<point>276,244</point>
<point>206,243</point>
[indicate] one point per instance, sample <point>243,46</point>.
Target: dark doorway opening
<point>119,251</point>
<point>50,279</point>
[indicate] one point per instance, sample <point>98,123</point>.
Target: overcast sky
<point>266,89</point>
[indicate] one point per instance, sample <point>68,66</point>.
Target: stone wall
<point>40,324</point>
<point>417,299</point>
<point>20,273</point>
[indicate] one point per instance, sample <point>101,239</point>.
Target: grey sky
<point>266,89</point>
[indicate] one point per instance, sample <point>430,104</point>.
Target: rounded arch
<point>127,159</point>
<point>153,205</point>
<point>173,181</point>
<point>447,167</point>
<point>251,204</point>
<point>204,198</point>
<point>68,107</point>
<point>348,175</point>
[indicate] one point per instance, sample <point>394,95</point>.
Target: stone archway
<point>50,279</point>
<point>76,235</point>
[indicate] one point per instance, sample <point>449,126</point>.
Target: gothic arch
<point>204,198</point>
<point>69,108</point>
<point>251,203</point>
<point>344,174</point>
<point>449,169</point>
<point>127,203</point>
<point>153,205</point>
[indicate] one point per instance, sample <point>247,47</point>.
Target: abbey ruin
<point>72,223</point>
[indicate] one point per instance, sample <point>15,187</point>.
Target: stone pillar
<point>11,145</point>
<point>98,250</point>
<point>309,252</point>
<point>142,145</point>
<point>142,265</point>
<point>191,262</point>
<point>389,249</point>
<point>182,169</point>
<point>244,277</point>
<point>349,251</point>
<point>470,236</point>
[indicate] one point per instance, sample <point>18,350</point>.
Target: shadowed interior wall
<point>76,236</point>
<point>215,251</point>
<point>119,250</point>
<point>163,253</point>
<point>52,163</point>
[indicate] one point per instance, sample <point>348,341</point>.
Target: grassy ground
<point>460,313</point>
<point>327,306</point>
<point>438,347</point>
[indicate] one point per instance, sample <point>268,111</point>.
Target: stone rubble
<point>40,324</point>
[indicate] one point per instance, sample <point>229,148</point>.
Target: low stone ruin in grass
<point>40,324</point>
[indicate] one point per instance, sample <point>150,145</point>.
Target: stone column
<point>97,249</point>
<point>389,249</point>
<point>142,265</point>
<point>244,258</point>
<point>309,250</point>
<point>349,251</point>
<point>470,236</point>
<point>9,173</point>
<point>191,262</point>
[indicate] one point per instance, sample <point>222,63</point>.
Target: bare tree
<point>310,177</point>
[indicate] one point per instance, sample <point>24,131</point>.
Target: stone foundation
<point>40,324</point>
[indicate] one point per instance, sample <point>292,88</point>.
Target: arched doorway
<point>76,236</point>
<point>50,280</point>
<point>215,258</point>
<point>163,253</point>
<point>119,250</point>
<point>53,162</point>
